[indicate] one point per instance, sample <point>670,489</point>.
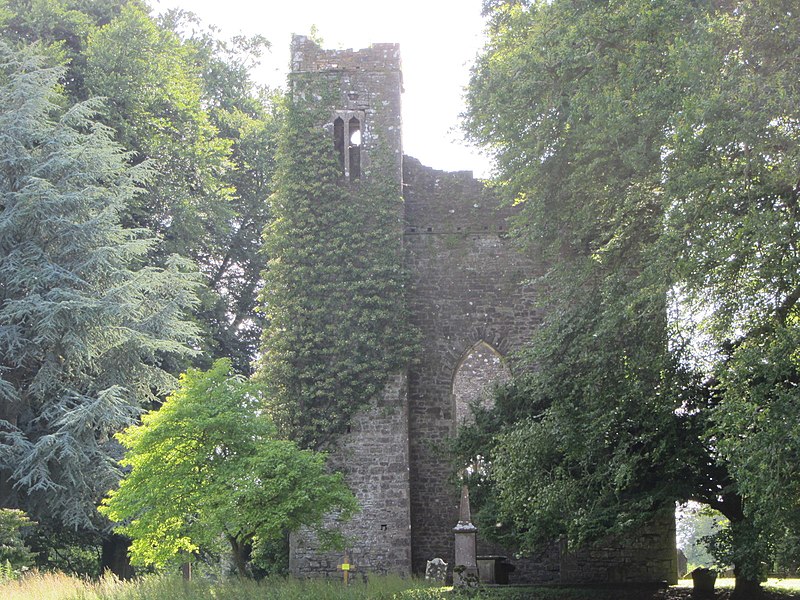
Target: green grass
<point>57,586</point>
<point>771,584</point>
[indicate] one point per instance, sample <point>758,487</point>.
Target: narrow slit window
<point>354,131</point>
<point>338,142</point>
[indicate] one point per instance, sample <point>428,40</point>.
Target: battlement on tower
<point>307,56</point>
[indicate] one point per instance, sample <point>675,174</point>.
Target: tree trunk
<point>747,549</point>
<point>748,554</point>
<point>745,588</point>
<point>114,557</point>
<point>241,555</point>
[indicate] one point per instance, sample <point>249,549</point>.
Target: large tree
<point>183,101</point>
<point>246,116</point>
<point>207,466</point>
<point>653,148</point>
<point>85,325</point>
<point>182,104</point>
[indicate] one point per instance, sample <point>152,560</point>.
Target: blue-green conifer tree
<point>84,322</point>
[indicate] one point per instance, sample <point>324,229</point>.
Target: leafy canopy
<point>182,100</point>
<point>207,465</point>
<point>653,151</point>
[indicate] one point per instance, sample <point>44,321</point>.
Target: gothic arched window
<point>480,370</point>
<point>338,141</point>
<point>354,131</point>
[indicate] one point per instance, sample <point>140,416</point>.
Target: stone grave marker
<point>465,572</point>
<point>436,570</point>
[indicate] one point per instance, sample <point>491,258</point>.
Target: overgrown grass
<point>57,586</point>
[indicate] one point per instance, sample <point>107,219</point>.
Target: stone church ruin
<point>469,299</point>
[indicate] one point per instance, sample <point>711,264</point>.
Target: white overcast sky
<point>438,39</point>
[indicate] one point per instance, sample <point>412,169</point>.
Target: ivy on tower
<point>334,288</point>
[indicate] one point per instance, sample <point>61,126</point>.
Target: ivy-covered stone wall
<point>340,342</point>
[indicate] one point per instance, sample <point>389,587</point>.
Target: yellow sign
<point>346,567</point>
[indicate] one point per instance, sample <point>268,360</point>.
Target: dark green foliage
<point>201,139</point>
<point>84,326</point>
<point>734,227</point>
<point>65,550</point>
<point>653,149</point>
<point>13,550</point>
<point>593,432</point>
<point>189,108</point>
<point>244,116</point>
<point>155,105</point>
<point>787,557</point>
<point>62,27</point>
<point>334,284</point>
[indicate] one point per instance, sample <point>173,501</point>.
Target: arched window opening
<point>338,142</point>
<point>354,129</point>
<point>480,370</point>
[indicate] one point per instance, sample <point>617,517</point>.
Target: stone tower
<point>365,117</point>
<point>471,300</point>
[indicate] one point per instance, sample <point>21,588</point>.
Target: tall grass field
<point>58,586</point>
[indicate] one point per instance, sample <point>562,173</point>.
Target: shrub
<point>14,554</point>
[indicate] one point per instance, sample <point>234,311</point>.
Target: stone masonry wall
<point>373,455</point>
<point>369,84</point>
<point>467,285</point>
<point>470,288</point>
<point>648,555</point>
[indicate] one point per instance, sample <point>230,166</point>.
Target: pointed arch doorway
<point>481,368</point>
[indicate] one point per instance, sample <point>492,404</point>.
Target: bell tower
<point>361,108</point>
<point>365,108</point>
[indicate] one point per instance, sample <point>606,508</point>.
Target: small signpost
<point>346,567</point>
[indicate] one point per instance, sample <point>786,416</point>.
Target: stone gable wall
<point>468,285</point>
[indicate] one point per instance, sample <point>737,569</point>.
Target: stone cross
<point>346,567</point>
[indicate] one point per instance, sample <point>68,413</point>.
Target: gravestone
<point>436,570</point>
<point>703,581</point>
<point>465,572</point>
<point>494,569</point>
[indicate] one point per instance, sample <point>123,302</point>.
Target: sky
<point>438,39</point>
